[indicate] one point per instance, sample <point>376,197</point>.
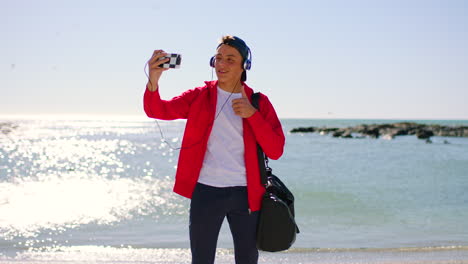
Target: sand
<point>95,254</point>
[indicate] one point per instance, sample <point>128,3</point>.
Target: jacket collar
<point>212,85</point>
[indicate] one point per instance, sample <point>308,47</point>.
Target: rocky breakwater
<point>388,131</point>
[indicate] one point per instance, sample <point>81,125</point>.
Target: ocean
<point>99,190</point>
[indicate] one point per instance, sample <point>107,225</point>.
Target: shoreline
<point>101,254</point>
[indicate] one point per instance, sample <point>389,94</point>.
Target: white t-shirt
<point>224,164</point>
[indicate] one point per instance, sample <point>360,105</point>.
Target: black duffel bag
<point>277,229</point>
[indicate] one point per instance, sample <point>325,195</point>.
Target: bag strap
<point>265,170</point>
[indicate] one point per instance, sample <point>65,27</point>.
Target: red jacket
<point>198,106</point>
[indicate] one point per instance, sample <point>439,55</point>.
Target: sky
<point>366,59</point>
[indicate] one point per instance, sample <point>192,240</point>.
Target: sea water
<point>82,184</point>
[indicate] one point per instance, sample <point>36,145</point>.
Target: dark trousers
<point>208,207</point>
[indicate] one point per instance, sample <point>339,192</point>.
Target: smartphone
<point>174,61</point>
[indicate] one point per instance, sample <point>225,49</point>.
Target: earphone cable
<point>163,138</point>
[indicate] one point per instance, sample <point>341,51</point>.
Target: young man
<point>218,164</point>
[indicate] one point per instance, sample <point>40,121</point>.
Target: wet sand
<point>92,254</point>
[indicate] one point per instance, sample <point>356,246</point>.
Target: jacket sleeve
<point>176,108</point>
<point>267,129</point>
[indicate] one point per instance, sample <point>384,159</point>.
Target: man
<point>218,164</point>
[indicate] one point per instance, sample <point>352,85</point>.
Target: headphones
<point>247,62</point>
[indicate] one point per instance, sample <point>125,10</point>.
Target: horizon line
<point>144,117</point>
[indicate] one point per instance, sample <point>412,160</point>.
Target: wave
<point>376,250</point>
<point>101,254</point>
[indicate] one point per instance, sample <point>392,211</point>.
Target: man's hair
<point>240,46</point>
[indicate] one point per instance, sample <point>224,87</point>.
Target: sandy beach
<point>98,254</point>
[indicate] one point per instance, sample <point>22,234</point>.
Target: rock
<point>373,132</point>
<point>338,133</point>
<point>303,129</point>
<point>347,134</point>
<point>324,130</point>
<point>424,134</point>
<point>393,132</point>
<point>343,133</point>
<point>390,131</point>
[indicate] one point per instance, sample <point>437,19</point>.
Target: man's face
<point>228,64</point>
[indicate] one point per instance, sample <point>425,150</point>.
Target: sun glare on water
<point>70,173</point>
